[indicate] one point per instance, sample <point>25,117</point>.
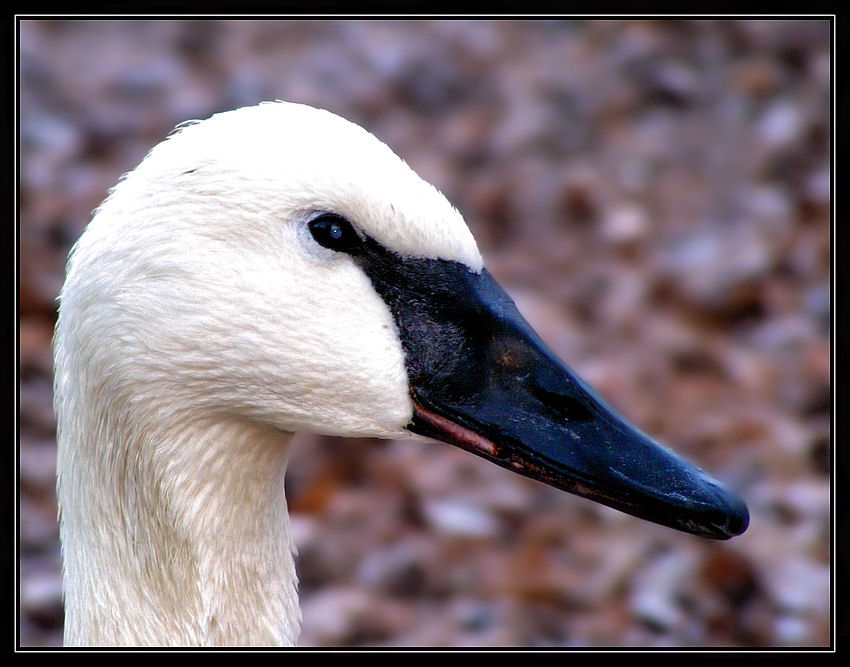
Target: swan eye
<point>334,232</point>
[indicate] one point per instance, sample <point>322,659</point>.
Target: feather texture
<point>199,326</point>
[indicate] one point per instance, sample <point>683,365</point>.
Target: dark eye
<point>334,232</point>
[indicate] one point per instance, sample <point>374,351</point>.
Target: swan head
<point>280,265</point>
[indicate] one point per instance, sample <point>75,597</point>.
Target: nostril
<point>568,407</point>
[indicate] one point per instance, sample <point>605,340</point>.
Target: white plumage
<point>199,326</point>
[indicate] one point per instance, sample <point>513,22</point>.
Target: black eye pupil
<point>334,232</point>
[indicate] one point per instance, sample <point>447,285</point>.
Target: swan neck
<point>179,536</point>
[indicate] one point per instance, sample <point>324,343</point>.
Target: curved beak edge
<point>688,499</point>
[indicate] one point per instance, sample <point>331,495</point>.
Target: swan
<point>276,269</point>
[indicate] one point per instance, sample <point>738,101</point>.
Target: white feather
<point>199,326</point>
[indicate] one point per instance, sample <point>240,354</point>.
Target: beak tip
<point>733,514</point>
<point>738,517</point>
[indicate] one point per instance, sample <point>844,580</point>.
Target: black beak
<point>482,379</point>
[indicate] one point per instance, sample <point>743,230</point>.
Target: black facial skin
<point>482,379</point>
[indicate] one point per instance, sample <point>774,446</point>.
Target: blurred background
<point>656,197</point>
